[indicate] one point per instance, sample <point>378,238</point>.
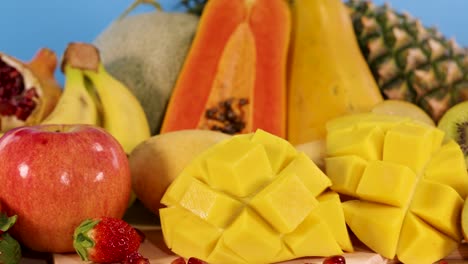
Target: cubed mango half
<point>405,203</point>
<point>256,200</point>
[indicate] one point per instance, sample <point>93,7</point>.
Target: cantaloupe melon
<point>146,52</point>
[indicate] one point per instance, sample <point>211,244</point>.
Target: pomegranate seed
<point>193,260</point>
<point>135,258</point>
<point>179,260</point>
<point>334,260</point>
<point>14,99</point>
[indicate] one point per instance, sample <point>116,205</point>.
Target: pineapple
<point>409,61</point>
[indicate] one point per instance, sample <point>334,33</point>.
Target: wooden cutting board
<point>156,251</point>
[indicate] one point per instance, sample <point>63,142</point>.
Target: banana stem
<point>136,3</point>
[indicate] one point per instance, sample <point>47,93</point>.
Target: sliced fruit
<point>29,89</point>
<point>253,199</point>
<point>405,184</point>
<point>464,219</point>
<point>455,125</point>
<point>156,162</point>
<point>234,77</point>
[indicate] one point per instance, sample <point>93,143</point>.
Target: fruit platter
<point>249,131</point>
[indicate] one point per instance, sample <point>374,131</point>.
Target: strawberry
<point>105,240</point>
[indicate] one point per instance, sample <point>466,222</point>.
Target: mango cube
<point>223,254</point>
<point>345,172</point>
<point>286,200</point>
<point>387,183</point>
<point>416,233</point>
<point>365,142</point>
<point>236,161</point>
<point>410,145</point>
<point>376,225</point>
<point>440,206</point>
<point>190,242</point>
<point>407,202</point>
<point>304,238</point>
<point>446,166</point>
<point>210,205</point>
<point>252,246</point>
<point>278,153</point>
<point>330,210</point>
<point>253,199</point>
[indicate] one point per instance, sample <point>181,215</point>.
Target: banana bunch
<point>92,96</point>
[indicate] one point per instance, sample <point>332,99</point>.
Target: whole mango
<point>406,184</point>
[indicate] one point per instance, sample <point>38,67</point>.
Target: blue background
<point>27,25</point>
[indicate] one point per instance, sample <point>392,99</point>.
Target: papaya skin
<point>328,75</point>
<point>259,32</point>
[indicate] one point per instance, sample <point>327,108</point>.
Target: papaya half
<point>327,74</point>
<point>234,77</point>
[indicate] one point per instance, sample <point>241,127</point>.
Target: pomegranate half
<point>28,90</point>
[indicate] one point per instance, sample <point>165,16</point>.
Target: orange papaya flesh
<point>234,76</point>
<point>234,81</point>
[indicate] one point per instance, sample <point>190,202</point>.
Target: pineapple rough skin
<point>409,61</point>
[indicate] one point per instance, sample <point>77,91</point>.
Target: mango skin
<point>253,199</point>
<point>156,162</point>
<point>405,182</point>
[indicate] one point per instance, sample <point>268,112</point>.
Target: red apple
<point>55,176</point>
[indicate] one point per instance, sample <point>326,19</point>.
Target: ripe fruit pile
<point>407,186</point>
<point>253,199</point>
<point>277,73</point>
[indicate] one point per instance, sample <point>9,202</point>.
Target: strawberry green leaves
<point>10,249</point>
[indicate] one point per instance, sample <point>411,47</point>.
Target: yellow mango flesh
<point>406,185</point>
<point>253,199</point>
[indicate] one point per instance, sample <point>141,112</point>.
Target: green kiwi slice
<point>455,125</point>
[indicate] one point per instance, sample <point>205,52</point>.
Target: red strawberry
<point>105,240</point>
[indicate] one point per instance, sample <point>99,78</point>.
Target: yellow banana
<point>75,105</point>
<point>122,114</point>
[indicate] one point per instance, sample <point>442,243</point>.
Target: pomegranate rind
<point>38,73</point>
